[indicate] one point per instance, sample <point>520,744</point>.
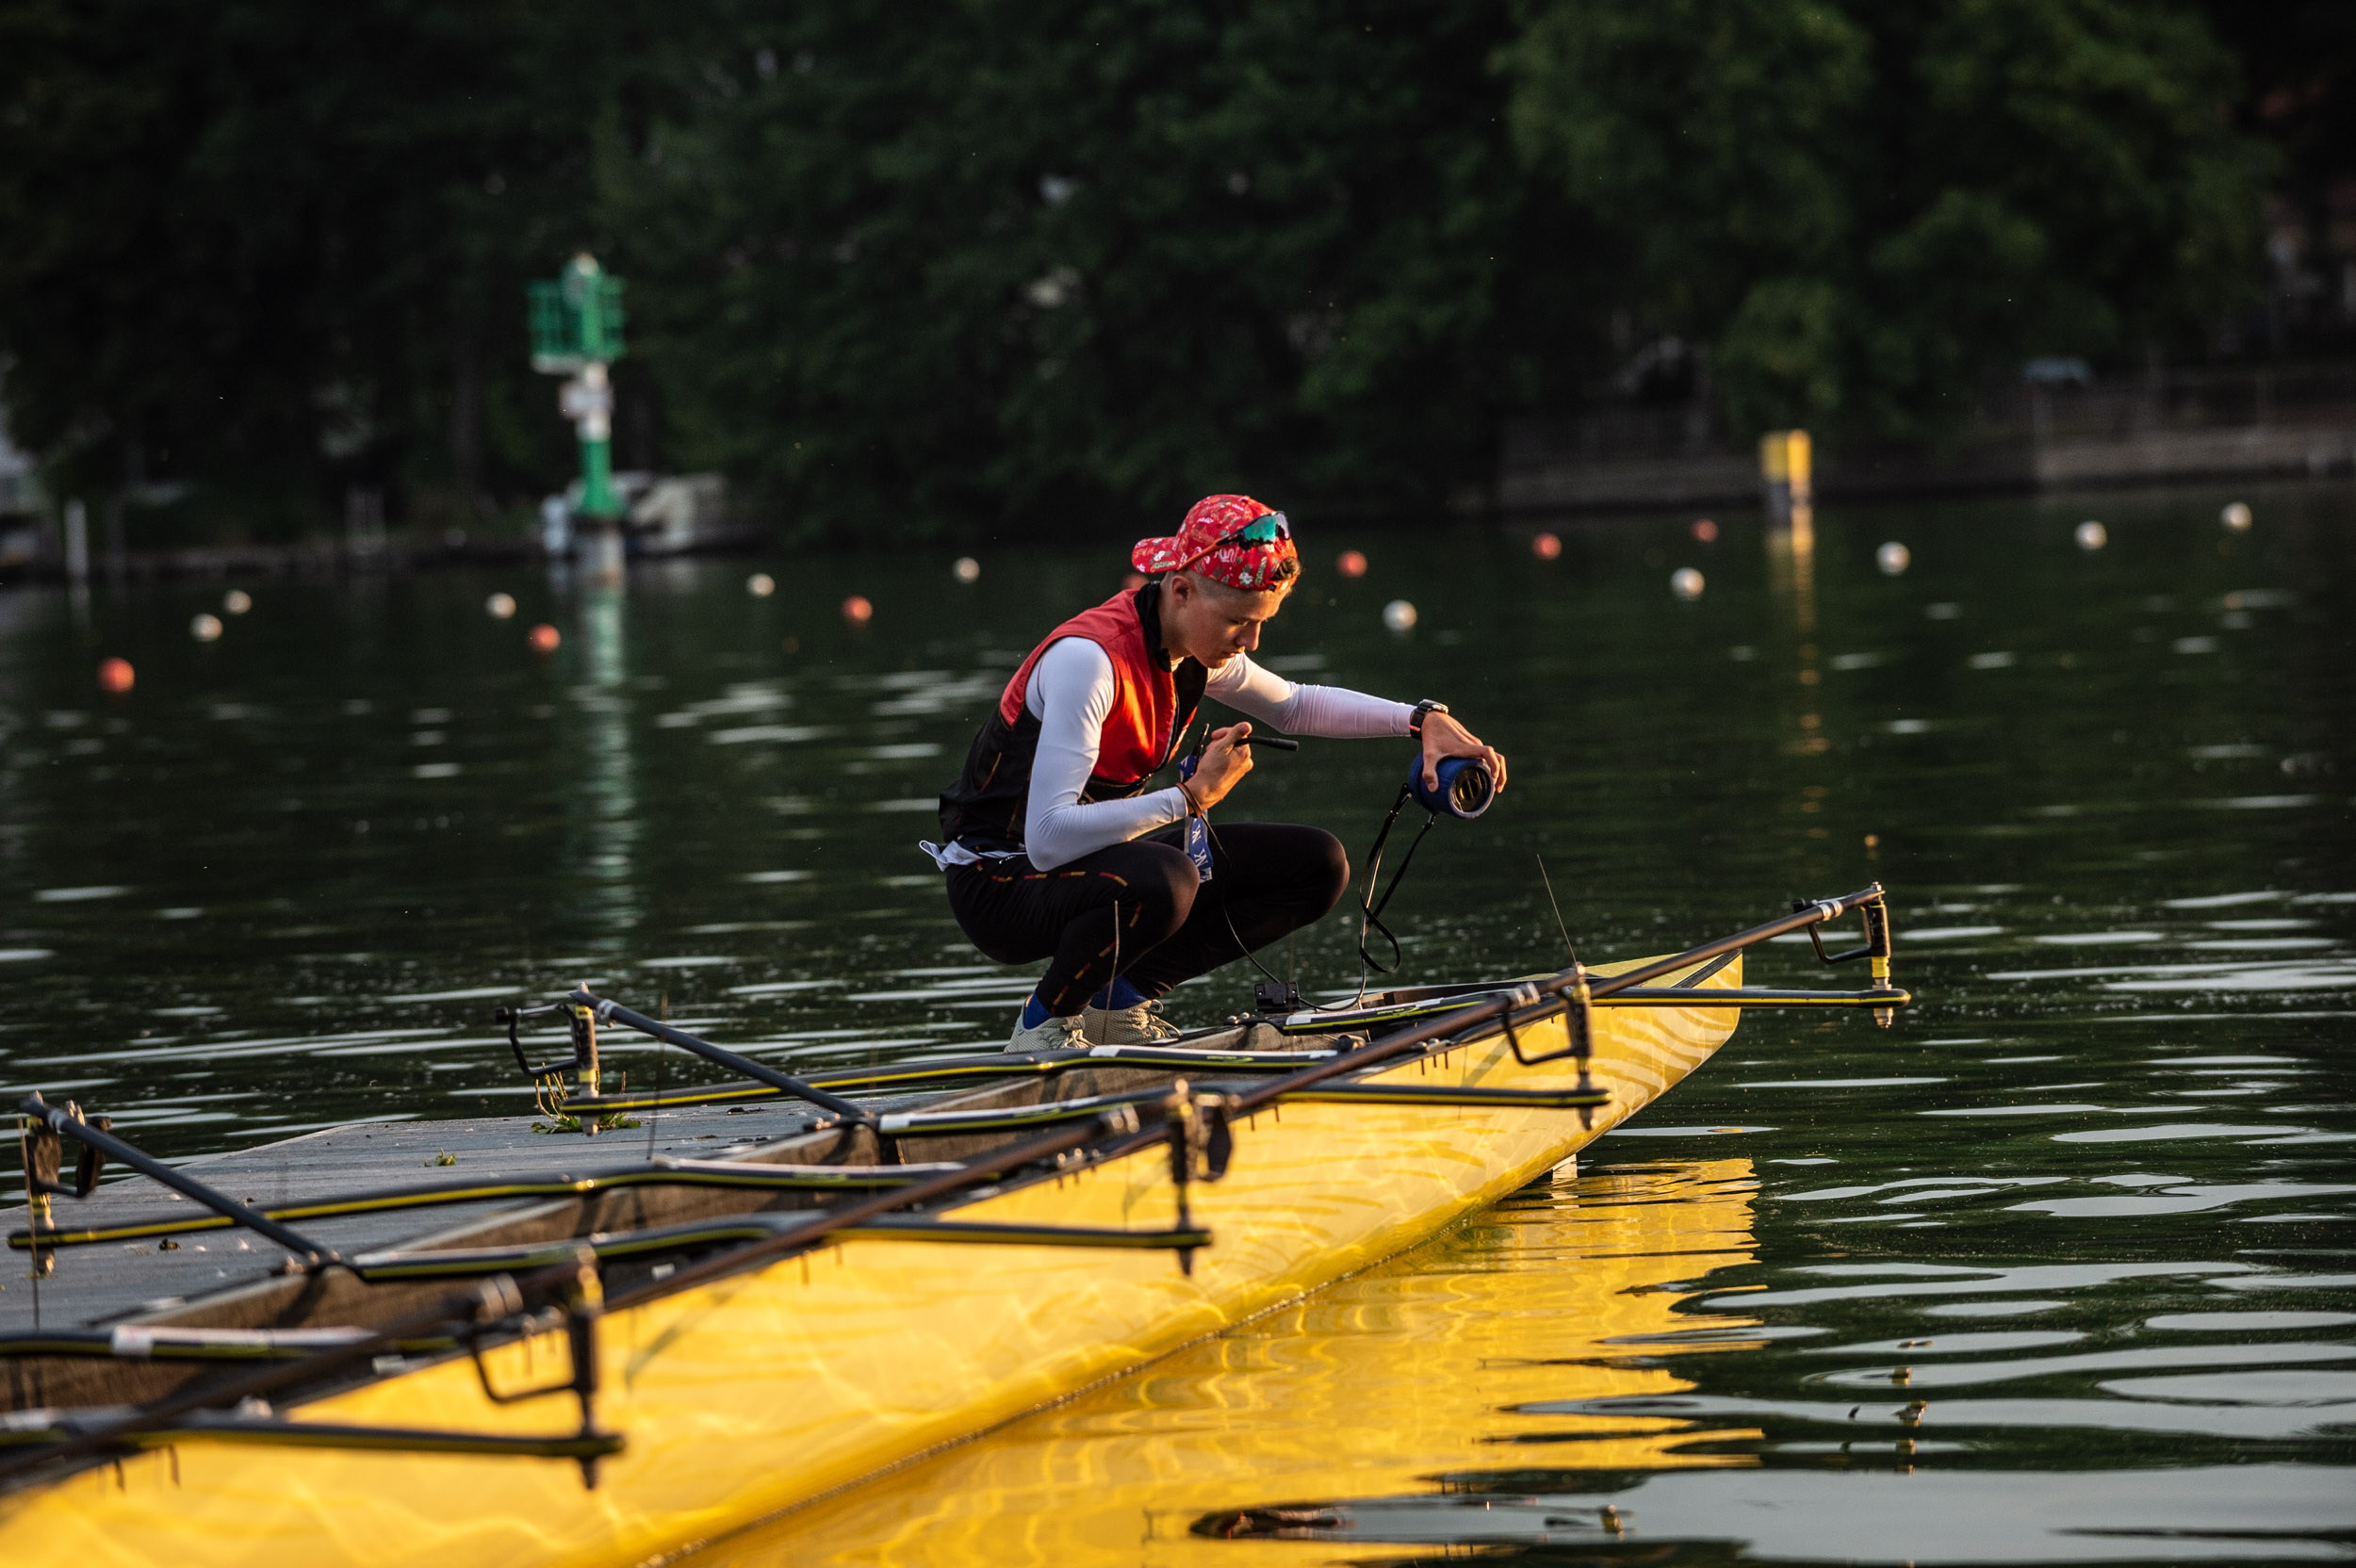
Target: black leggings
<point>1136,909</point>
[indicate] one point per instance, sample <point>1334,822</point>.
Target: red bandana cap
<point>1208,542</point>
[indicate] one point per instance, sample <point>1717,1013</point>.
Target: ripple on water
<point>1956,1344</point>
<point>1893,1281</point>
<point>2192,1198</point>
<point>2335,1391</point>
<point>2101,938</point>
<point>2176,1131</point>
<point>2292,1281</point>
<point>1862,1515</point>
<point>2245,1322</point>
<point>1972,1373</point>
<point>1832,1082</point>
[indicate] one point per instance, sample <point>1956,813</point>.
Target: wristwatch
<point>1414,720</point>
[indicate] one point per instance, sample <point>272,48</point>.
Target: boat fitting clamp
<point>99,1142</point>
<point>583,1304</point>
<point>1874,910</point>
<point>1573,996</point>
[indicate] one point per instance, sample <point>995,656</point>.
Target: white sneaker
<point>1142,1024</point>
<point>1050,1034</point>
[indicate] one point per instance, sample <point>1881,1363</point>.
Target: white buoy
<point>1893,559</point>
<point>206,629</point>
<point>761,585</point>
<point>2237,516</point>
<point>2092,535</point>
<point>1398,616</point>
<point>499,607</point>
<point>237,601</point>
<point>1686,583</point>
<point>967,569</point>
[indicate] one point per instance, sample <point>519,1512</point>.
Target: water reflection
<point>1439,1373</point>
<point>608,821</point>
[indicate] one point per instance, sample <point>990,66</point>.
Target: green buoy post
<point>577,333</point>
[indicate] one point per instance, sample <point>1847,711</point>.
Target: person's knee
<point>1158,896</point>
<point>1325,869</point>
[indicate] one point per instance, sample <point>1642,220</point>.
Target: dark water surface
<point>2093,1198</point>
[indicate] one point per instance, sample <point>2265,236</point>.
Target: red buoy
<point>1545,547</point>
<point>115,675</point>
<point>1350,563</point>
<point>856,611</point>
<point>545,638</point>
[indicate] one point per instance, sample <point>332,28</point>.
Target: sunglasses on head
<point>1264,529</point>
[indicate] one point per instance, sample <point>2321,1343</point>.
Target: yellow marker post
<point>1786,471</point>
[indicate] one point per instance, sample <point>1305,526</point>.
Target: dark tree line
<point>970,264</point>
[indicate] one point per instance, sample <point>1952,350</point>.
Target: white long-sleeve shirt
<point>1072,693</point>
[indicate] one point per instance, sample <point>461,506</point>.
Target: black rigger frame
<point>1197,1127</point>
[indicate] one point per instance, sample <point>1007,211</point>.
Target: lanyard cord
<point>1371,907</point>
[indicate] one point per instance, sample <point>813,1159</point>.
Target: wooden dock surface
<point>109,1281</point>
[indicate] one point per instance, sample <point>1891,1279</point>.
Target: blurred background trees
<point>1865,210</point>
<point>987,267</point>
<point>271,249</point>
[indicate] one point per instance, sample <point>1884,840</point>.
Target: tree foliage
<point>1865,208</point>
<point>967,263</point>
<point>274,246</point>
<point>1021,262</point>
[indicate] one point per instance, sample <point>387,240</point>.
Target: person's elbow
<point>1040,837</point>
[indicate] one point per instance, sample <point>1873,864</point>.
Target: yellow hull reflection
<point>762,1391</point>
<point>1377,1386</point>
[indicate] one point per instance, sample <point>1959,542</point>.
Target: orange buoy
<point>115,675</point>
<point>1545,547</point>
<point>1350,563</point>
<point>856,611</point>
<point>1705,530</point>
<point>545,638</point>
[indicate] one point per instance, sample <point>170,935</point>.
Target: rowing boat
<point>659,1354</point>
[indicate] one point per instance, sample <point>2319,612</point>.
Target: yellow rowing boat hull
<point>1425,1377</point>
<point>748,1396</point>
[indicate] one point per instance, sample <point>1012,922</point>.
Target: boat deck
<point>101,1283</point>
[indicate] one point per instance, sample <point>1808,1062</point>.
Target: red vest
<point>1137,733</point>
<point>1153,705</point>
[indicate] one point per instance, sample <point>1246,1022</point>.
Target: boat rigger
<point>606,1361</point>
